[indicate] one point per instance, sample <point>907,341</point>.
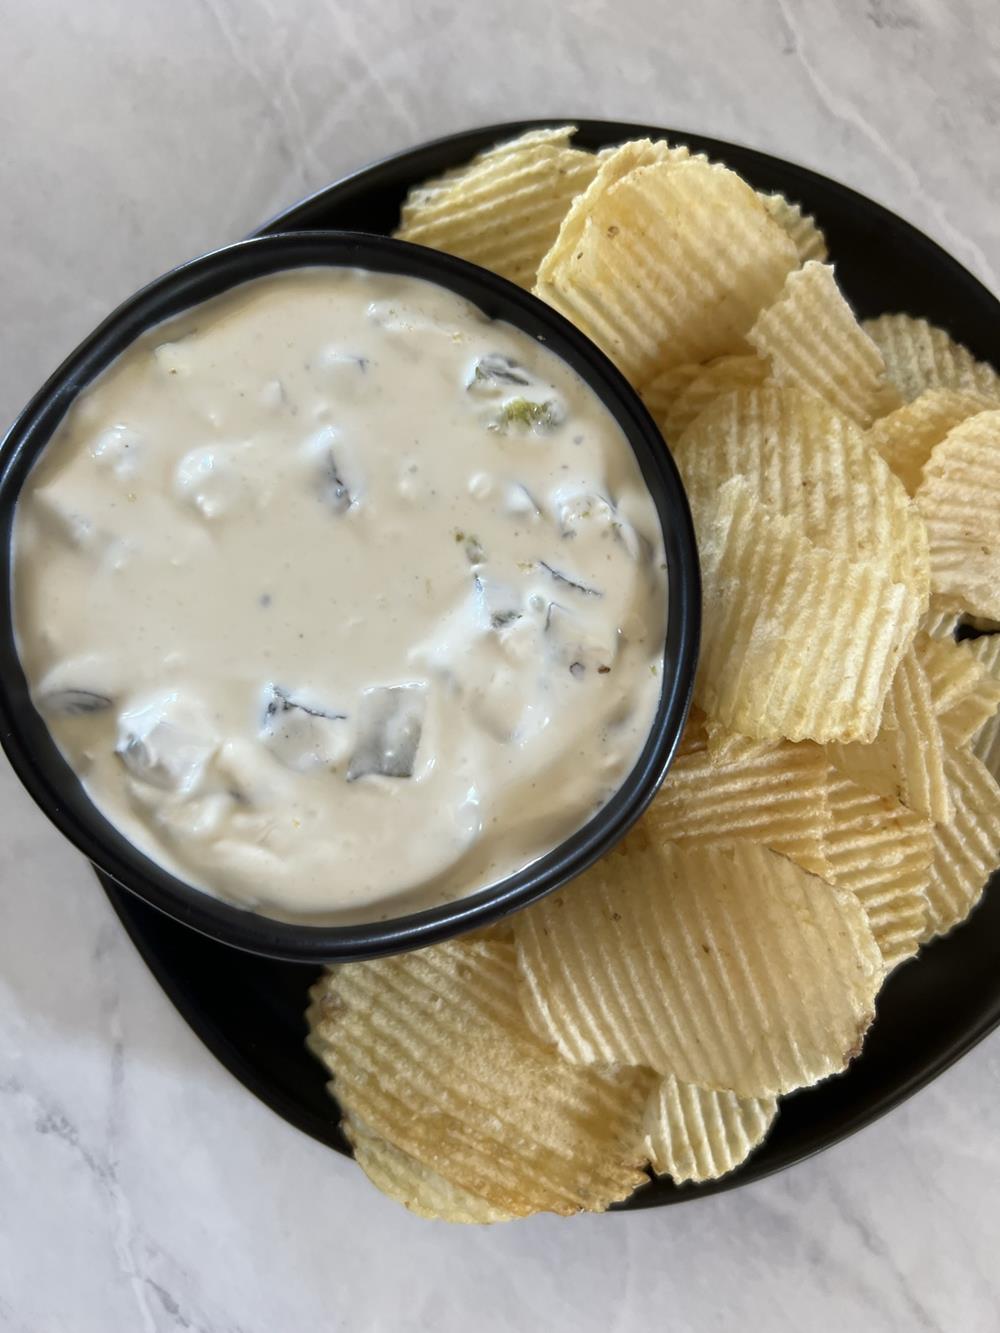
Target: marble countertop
<point>140,1187</point>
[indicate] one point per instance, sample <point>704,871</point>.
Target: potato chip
<point>673,263</point>
<point>431,1052</point>
<point>966,850</point>
<point>920,356</point>
<point>666,386</point>
<point>725,966</point>
<point>614,166</point>
<point>809,462</point>
<point>906,758</point>
<point>959,498</point>
<point>986,742</point>
<point>773,793</point>
<point>964,681</point>
<point>718,377</point>
<point>414,1185</point>
<point>809,240</point>
<point>940,621</point>
<point>985,624</point>
<point>812,341</point>
<point>729,747</point>
<point>503,209</point>
<point>881,852</point>
<point>906,437</point>
<point>698,1134</point>
<point>766,669</point>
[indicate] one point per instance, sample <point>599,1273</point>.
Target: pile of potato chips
<point>833,804</point>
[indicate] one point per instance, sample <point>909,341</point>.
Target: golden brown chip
<point>959,498</point>
<point>773,793</point>
<point>725,966</point>
<point>672,264</point>
<point>965,684</point>
<point>697,1134</point>
<point>718,377</point>
<point>809,240</point>
<point>812,341</point>
<point>941,620</point>
<point>666,386</point>
<point>966,850</point>
<point>414,1185</point>
<point>920,356</point>
<point>964,692</point>
<point>729,747</point>
<point>501,931</point>
<point>504,208</point>
<point>809,462</point>
<point>906,437</point>
<point>766,669</point>
<point>430,1051</point>
<point>985,624</point>
<point>986,743</point>
<point>906,758</point>
<point>880,851</point>
<point>614,165</point>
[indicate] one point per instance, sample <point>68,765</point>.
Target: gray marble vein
<point>140,1187</point>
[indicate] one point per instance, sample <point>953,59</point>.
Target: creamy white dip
<point>341,599</point>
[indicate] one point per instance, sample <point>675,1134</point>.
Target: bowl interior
<point>56,788</point>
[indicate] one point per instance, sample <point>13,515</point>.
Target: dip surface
<point>341,599</point>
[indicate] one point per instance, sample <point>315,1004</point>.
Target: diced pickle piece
<point>326,449</point>
<point>165,742</point>
<point>74,703</point>
<point>494,374</point>
<point>558,576</point>
<point>575,645</point>
<point>334,487</point>
<point>390,724</point>
<point>210,479</point>
<point>528,415</point>
<point>303,737</point>
<point>499,604</point>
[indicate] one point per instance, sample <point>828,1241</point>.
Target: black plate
<point>248,1011</point>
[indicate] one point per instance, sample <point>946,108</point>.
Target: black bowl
<point>57,790</point>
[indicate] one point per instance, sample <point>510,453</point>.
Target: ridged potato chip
<point>805,460</point>
<point>953,670</point>
<point>502,210</point>
<point>809,240</point>
<point>881,852</point>
<point>967,849</point>
<point>430,1051</point>
<point>673,263</point>
<point>718,377</point>
<point>940,620</point>
<point>906,437</point>
<point>666,386</point>
<point>965,684</point>
<point>959,498</point>
<point>920,356</point>
<point>698,1134</point>
<point>765,671</point>
<point>773,793</point>
<point>906,758</point>
<point>986,743</point>
<point>812,340</point>
<point>414,1185</point>
<point>724,966</point>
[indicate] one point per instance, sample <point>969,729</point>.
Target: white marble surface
<point>140,1187</point>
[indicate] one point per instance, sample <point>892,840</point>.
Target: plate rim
<point>291,218</point>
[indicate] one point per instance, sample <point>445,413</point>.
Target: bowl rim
<point>57,790</point>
